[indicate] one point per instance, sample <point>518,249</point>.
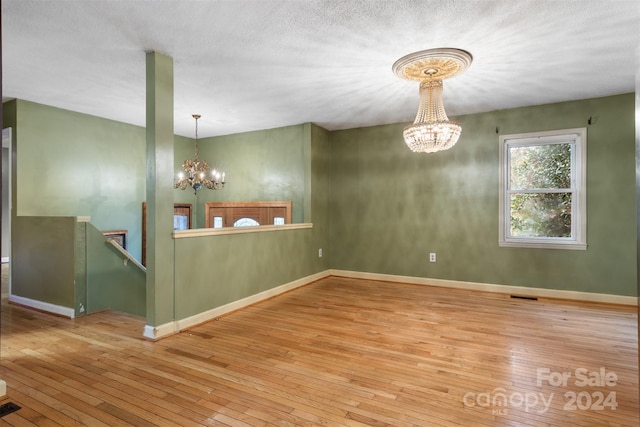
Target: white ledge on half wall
<point>200,232</point>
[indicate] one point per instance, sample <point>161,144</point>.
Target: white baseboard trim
<point>170,328</point>
<point>157,332</point>
<point>488,287</point>
<point>244,302</point>
<point>43,306</point>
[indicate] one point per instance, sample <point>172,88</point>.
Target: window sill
<point>545,245</point>
<point>201,232</point>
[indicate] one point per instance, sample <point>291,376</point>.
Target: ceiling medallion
<point>432,130</point>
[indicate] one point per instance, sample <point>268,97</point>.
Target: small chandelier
<point>196,172</point>
<point>432,130</point>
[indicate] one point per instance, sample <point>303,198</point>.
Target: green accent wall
<point>72,164</point>
<point>110,282</point>
<point>160,176</point>
<point>43,259</point>
<point>59,261</point>
<point>184,149</point>
<point>319,185</point>
<point>375,206</point>
<point>262,165</point>
<point>390,207</point>
<point>213,271</point>
<point>80,268</point>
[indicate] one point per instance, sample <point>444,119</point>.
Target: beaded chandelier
<point>432,130</point>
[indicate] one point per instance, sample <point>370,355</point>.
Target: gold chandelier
<point>196,172</point>
<point>432,130</point>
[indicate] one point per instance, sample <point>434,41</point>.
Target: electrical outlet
<point>432,257</point>
<point>320,253</point>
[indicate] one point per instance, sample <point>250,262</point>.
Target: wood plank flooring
<point>338,352</point>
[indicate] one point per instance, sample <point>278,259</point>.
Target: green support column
<point>160,245</point>
<point>306,152</point>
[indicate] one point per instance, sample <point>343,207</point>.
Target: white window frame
<point>578,138</point>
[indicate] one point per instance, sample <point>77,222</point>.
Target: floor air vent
<point>7,408</point>
<point>525,298</point>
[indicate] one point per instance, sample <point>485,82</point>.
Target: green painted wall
<point>160,177</point>
<point>83,165</point>
<point>80,269</point>
<point>184,149</point>
<point>391,207</point>
<point>10,119</point>
<point>320,190</point>
<point>60,261</point>
<point>261,165</point>
<point>110,283</point>
<point>43,259</point>
<point>97,167</point>
<point>213,271</point>
<point>375,206</point>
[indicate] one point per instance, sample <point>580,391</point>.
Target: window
<point>246,222</point>
<point>543,190</point>
<point>181,217</point>
<point>180,222</point>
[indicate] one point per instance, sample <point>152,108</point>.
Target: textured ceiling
<point>251,64</point>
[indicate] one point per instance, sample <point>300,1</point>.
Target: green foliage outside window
<point>538,175</point>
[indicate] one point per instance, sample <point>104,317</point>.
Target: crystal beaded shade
<point>432,130</point>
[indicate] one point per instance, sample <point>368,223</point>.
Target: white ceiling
<point>256,64</point>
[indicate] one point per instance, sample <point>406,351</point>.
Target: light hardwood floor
<point>338,352</point>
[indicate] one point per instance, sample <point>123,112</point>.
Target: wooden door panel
<point>262,212</point>
<point>217,212</point>
<point>258,214</point>
<point>278,212</point>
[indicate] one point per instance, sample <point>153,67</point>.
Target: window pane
<point>180,222</point>
<point>217,222</point>
<point>541,215</point>
<point>246,222</point>
<point>540,166</point>
<point>278,220</point>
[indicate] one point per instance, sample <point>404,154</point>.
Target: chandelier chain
<point>196,116</point>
